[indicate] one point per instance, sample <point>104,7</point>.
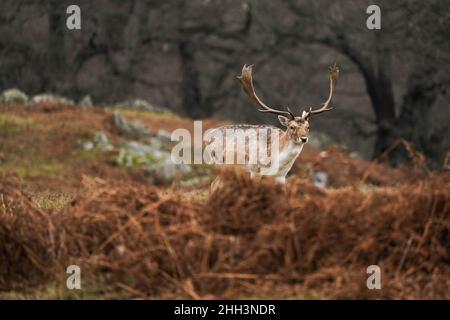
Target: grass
<point>29,149</point>
<point>136,113</point>
<point>11,125</point>
<point>51,200</point>
<point>57,290</point>
<point>29,169</point>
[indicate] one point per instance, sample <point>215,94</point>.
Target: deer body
<point>287,150</point>
<point>289,143</point>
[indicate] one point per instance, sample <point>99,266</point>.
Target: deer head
<point>297,126</point>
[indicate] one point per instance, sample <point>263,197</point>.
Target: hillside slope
<point>63,203</point>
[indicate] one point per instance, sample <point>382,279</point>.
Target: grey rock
<point>164,136</point>
<point>355,155</point>
<point>133,153</point>
<point>46,97</point>
<point>86,101</point>
<point>13,96</point>
<point>320,140</point>
<point>151,156</point>
<point>195,181</point>
<point>141,104</point>
<point>155,143</point>
<point>101,141</point>
<point>320,179</point>
<point>166,171</point>
<point>88,146</point>
<point>133,129</point>
<point>140,149</point>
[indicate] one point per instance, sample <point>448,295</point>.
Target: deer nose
<point>304,139</point>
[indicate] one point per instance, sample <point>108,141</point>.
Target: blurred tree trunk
<point>379,87</point>
<point>375,68</point>
<point>191,97</point>
<point>371,52</point>
<point>56,54</point>
<point>412,122</point>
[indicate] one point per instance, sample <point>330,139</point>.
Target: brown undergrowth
<point>249,239</point>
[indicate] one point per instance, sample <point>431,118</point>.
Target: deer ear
<point>283,120</point>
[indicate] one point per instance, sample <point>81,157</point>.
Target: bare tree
<point>383,57</point>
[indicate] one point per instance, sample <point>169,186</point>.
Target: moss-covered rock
<point>45,98</point>
<point>141,104</point>
<point>150,157</point>
<point>86,101</point>
<point>132,154</point>
<point>165,171</point>
<point>13,96</point>
<point>133,129</point>
<point>100,141</point>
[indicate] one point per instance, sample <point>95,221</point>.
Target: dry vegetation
<point>247,240</point>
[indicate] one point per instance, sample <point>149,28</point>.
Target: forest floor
<point>62,205</point>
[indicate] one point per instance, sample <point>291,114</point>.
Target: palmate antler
<point>334,72</point>
<point>247,84</point>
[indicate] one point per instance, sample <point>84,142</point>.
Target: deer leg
<point>255,176</point>
<point>281,179</point>
<point>215,184</point>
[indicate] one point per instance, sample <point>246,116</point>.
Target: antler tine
<point>247,84</point>
<point>290,112</point>
<point>334,72</point>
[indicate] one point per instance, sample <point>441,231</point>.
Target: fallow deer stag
<point>290,141</point>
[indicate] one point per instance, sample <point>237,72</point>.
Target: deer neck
<point>287,143</point>
<point>289,150</point>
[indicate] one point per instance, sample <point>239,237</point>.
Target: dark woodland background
<point>184,55</point>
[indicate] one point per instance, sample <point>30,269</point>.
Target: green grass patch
<point>145,114</point>
<point>26,169</point>
<point>11,125</point>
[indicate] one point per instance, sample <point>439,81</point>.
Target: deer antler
<point>334,72</point>
<point>247,84</point>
